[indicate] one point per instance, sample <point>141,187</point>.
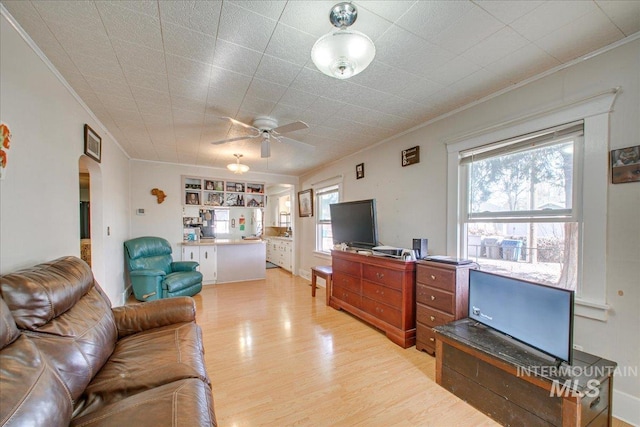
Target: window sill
<point>323,255</point>
<point>591,309</point>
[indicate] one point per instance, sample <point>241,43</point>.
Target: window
<point>221,221</point>
<point>520,213</point>
<point>590,210</point>
<point>324,197</point>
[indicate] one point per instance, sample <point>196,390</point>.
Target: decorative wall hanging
<point>92,144</point>
<point>305,202</point>
<point>360,170</point>
<point>625,165</point>
<point>159,194</point>
<point>411,156</point>
<point>5,144</point>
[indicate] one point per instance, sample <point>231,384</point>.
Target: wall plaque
<point>411,156</point>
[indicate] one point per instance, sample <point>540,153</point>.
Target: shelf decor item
<point>92,144</point>
<point>305,203</point>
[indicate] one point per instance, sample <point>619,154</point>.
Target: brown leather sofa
<point>68,358</point>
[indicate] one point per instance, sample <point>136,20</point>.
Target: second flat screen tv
<point>538,315</point>
<point>354,223</point>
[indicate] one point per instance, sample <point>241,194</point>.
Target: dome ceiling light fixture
<point>237,167</point>
<point>343,53</point>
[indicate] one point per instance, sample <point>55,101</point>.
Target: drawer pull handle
<point>432,318</point>
<point>432,339</point>
<point>433,277</point>
<point>595,402</point>
<point>433,297</point>
<point>379,275</point>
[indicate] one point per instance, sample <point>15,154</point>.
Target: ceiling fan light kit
<point>237,167</point>
<point>343,53</point>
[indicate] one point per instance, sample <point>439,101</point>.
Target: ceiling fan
<point>267,129</point>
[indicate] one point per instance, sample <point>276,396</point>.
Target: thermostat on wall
<point>139,211</point>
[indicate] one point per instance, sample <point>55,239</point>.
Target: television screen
<point>538,315</point>
<point>354,223</point>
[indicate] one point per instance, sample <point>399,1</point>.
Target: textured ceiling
<point>159,74</point>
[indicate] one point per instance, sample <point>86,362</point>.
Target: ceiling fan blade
<point>239,123</point>
<point>295,142</point>
<point>291,127</point>
<point>237,138</point>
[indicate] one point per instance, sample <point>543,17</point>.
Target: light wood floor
<point>278,357</point>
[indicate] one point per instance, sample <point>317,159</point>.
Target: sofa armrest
<point>134,318</point>
<point>184,266</point>
<point>147,273</point>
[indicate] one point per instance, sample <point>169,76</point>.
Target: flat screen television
<point>354,223</point>
<point>538,315</point>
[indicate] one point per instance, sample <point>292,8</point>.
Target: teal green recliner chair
<point>154,274</point>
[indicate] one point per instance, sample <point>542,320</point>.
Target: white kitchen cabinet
<point>205,256</point>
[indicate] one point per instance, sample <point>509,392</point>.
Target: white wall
<point>165,220</point>
<point>411,201</point>
<point>39,196</point>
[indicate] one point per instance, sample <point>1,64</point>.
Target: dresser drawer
<point>384,276</point>
<point>426,337</point>
<point>346,295</point>
<point>431,317</point>
<point>437,277</point>
<point>344,266</point>
<point>382,311</point>
<point>381,293</point>
<point>345,281</point>
<point>435,298</point>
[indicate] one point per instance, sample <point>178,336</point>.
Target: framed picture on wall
<point>92,144</point>
<point>625,165</point>
<point>305,203</point>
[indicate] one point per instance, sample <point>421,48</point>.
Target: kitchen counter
<point>288,239</point>
<point>211,242</point>
<point>228,260</point>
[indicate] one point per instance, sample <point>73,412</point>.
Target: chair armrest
<point>134,318</point>
<point>184,266</point>
<point>147,273</point>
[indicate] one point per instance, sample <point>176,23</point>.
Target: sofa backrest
<point>31,392</point>
<point>148,253</point>
<point>63,311</point>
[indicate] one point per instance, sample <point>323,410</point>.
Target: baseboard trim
<point>625,408</point>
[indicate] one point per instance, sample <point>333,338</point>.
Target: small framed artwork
<point>360,170</point>
<point>305,203</point>
<point>192,198</point>
<point>92,144</point>
<point>625,165</point>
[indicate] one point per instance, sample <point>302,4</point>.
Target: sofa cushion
<point>181,280</point>
<point>8,330</point>
<point>31,393</point>
<point>178,353</point>
<point>149,253</point>
<point>184,403</point>
<point>41,293</point>
<point>77,339</point>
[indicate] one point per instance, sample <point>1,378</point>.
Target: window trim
<point>594,110</point>
<point>318,190</point>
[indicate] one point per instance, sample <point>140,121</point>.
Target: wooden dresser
<point>378,290</point>
<point>441,297</point>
